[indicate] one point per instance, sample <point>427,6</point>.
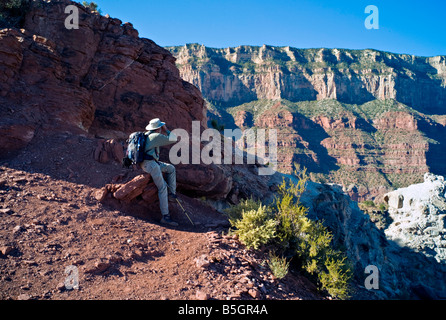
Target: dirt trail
<point>50,220</point>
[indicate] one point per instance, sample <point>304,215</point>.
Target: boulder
<point>109,150</point>
<point>419,217</point>
<point>150,193</point>
<point>133,188</point>
<point>201,295</point>
<point>5,250</point>
<point>100,194</point>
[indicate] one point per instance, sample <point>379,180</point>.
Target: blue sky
<point>413,27</point>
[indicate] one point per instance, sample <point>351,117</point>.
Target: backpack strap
<point>148,156</point>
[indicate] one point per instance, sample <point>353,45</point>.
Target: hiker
<point>166,191</point>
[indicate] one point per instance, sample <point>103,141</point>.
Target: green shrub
<point>217,126</point>
<point>309,242</point>
<point>383,207</point>
<point>313,247</point>
<point>368,203</point>
<point>335,279</point>
<point>279,265</point>
<point>293,223</point>
<point>93,6</point>
<point>286,227</point>
<point>234,213</point>
<point>255,228</point>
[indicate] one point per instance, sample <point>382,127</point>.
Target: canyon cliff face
<point>246,73</point>
<point>366,119</point>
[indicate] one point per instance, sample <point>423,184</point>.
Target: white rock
<point>418,214</point>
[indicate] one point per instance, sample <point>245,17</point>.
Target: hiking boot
<point>172,197</point>
<point>167,220</point>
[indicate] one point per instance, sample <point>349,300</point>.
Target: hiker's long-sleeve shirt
<point>157,140</point>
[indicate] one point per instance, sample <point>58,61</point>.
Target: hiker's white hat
<point>155,124</point>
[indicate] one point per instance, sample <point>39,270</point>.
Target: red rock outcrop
<point>108,150</point>
<point>100,78</point>
<point>396,120</point>
<point>141,185</point>
<point>243,119</point>
<point>330,123</point>
<point>277,116</point>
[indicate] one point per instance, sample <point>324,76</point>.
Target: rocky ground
<point>50,220</point>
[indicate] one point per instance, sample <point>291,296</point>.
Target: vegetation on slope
<point>328,107</point>
<point>284,229</point>
<point>365,142</point>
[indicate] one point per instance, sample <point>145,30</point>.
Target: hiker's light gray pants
<point>156,169</point>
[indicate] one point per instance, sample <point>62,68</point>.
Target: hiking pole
<point>185,212</point>
<point>182,208</point>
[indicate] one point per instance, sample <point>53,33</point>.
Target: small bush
<point>217,126</point>
<point>383,207</point>
<point>255,228</point>
<point>368,203</point>
<point>234,213</point>
<point>335,279</point>
<point>93,6</point>
<point>308,241</point>
<point>279,266</point>
<point>313,247</point>
<point>293,223</point>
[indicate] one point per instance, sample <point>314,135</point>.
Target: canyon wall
<point>366,119</point>
<point>247,73</point>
